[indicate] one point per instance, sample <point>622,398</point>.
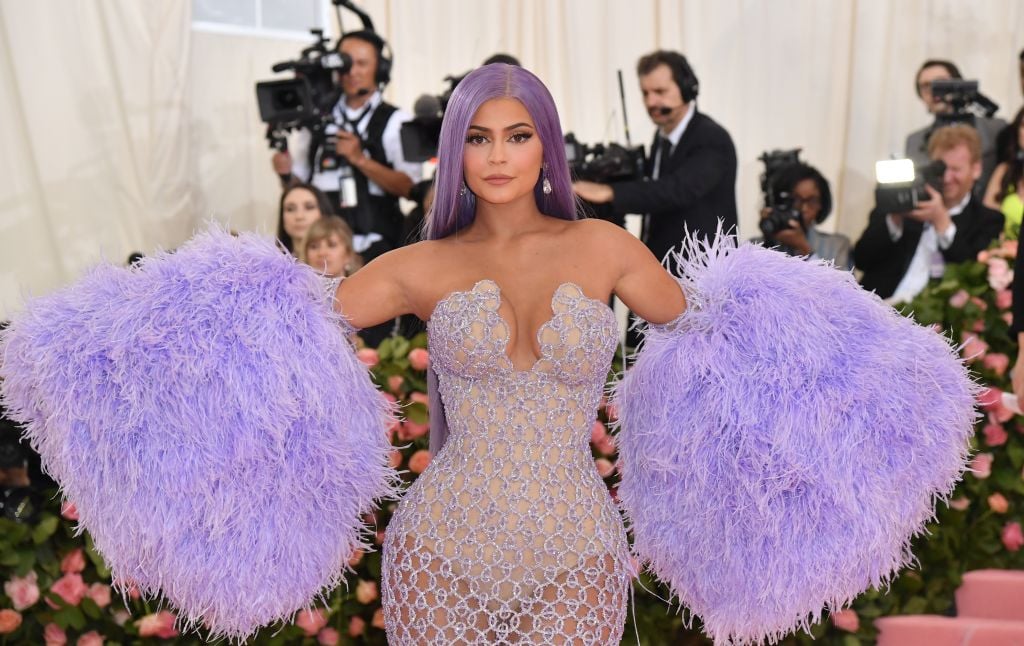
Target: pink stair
<point>990,612</point>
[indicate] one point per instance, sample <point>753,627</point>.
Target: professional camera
<point>601,163</point>
<point>305,101</point>
<point>901,186</point>
<point>420,136</point>
<point>778,202</point>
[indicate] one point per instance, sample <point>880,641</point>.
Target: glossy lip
<point>498,179</point>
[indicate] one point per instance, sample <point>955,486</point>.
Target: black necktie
<point>664,152</point>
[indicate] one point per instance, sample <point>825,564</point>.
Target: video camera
<point>421,135</point>
<point>964,100</point>
<point>779,202</point>
<point>603,163</point>
<point>901,186</point>
<point>305,101</point>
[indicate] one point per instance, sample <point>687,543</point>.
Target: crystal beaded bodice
<point>510,535</point>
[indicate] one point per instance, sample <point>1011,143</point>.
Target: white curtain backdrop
<point>124,129</point>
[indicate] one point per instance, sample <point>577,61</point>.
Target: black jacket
<point>696,189</point>
<point>884,262</point>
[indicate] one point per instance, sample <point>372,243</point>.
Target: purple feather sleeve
<point>783,441</point>
<point>211,422</point>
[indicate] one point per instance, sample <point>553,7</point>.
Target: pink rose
<point>311,621</point>
<point>979,303</point>
<point>9,621</point>
<point>70,587</point>
<point>612,411</point>
<point>328,637</point>
<point>91,638</point>
<point>984,255</point>
<point>412,430</point>
<point>604,467</point>
<point>1007,317</point>
<point>1004,299</point>
<point>991,401</point>
<point>100,594</point>
<point>419,461</point>
<point>598,431</point>
<point>356,626</point>
<point>379,538</point>
<point>54,635</point>
<point>23,591</point>
<point>369,356</point>
<point>998,503</point>
<point>69,511</point>
<point>395,383</point>
<point>960,504</point>
<point>999,274</point>
<point>160,624</point>
<point>389,398</point>
<point>981,465</point>
<point>395,459</point>
<point>997,362</point>
<point>121,617</point>
<point>73,561</point>
<point>356,557</point>
<point>606,445</point>
<point>419,359</point>
<point>1012,536</point>
<point>378,619</point>
<point>417,397</point>
<point>995,435</point>
<point>846,620</point>
<point>366,592</point>
<point>973,348</point>
<point>1009,248</point>
<point>959,299</point>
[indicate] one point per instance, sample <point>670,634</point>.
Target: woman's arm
<point>378,292</point>
<point>642,284</point>
<point>992,190</point>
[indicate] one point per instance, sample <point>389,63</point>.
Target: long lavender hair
<point>452,212</point>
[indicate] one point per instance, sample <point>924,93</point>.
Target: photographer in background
<point>988,128</point>
<point>359,162</point>
<point>900,252</point>
<point>802,199</point>
<point>691,173</point>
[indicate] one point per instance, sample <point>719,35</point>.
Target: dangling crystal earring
<point>462,190</point>
<point>546,184</point>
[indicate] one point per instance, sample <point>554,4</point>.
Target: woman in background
<point>329,248</point>
<point>1006,188</point>
<point>301,205</point>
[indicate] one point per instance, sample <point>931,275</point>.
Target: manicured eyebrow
<point>512,127</point>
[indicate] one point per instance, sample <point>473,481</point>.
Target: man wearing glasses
<point>917,141</point>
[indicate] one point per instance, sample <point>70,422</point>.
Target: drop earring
<point>546,184</point>
<point>462,190</point>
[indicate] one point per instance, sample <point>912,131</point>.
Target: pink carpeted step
<point>991,594</point>
<point>932,630</point>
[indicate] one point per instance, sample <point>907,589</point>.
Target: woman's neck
<point>505,221</point>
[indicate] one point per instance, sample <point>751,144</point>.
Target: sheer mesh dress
<point>510,536</point>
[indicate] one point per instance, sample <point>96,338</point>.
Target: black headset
<point>683,75</point>
<point>384,62</point>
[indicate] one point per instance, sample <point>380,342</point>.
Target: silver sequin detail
<point>510,536</point>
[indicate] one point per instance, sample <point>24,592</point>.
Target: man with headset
<point>690,181</point>
<point>359,161</point>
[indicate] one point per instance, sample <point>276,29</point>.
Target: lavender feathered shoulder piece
<point>783,441</point>
<point>209,419</point>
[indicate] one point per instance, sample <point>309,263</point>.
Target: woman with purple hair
<point>784,433</point>
<point>510,535</point>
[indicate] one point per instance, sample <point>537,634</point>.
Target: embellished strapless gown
<point>510,535</point>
